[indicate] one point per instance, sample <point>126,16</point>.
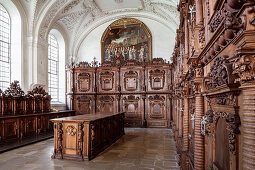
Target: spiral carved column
<point>248,128</point>
<point>185,141</point>
<point>185,123</point>
<point>199,141</point>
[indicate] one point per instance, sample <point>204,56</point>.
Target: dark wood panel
<point>83,137</point>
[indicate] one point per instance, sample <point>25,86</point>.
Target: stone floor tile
<point>139,149</point>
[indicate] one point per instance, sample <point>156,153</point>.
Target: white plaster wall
<point>163,41</point>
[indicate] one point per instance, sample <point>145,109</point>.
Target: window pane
<point>53,59</point>
<point>5,46</point>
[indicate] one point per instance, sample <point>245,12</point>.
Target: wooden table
<point>82,137</point>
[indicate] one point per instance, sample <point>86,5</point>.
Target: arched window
<point>53,72</point>
<point>56,66</point>
<point>5,48</point>
<point>10,44</point>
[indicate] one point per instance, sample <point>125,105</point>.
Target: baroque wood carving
<point>220,74</point>
<point>233,123</point>
<point>244,67</point>
<point>157,79</point>
<point>130,80</point>
<point>83,81</point>
<point>107,80</point>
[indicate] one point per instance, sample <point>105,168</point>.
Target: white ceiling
<point>78,18</point>
<point>110,5</point>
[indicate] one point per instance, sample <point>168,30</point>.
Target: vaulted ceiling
<point>77,18</point>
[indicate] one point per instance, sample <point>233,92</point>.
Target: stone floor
<point>138,149</point>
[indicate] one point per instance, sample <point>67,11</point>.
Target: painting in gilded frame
<point>129,38</point>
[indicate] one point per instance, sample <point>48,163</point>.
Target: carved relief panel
<point>157,110</point>
<point>84,104</point>
<point>107,104</point>
<point>132,79</point>
<point>158,78</point>
<point>134,107</point>
<point>70,132</point>
<point>84,80</point>
<point>107,80</point>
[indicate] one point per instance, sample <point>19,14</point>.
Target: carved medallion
<point>70,130</point>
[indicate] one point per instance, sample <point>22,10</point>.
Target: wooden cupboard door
<point>133,107</point>
<point>28,126</point>
<point>107,79</point>
<point>107,103</point>
<point>156,111</point>
<point>84,81</point>
<point>70,142</point>
<point>11,129</point>
<point>84,104</point>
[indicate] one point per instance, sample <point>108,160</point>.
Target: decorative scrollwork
<point>233,123</point>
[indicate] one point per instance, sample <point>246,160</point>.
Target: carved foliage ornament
<point>38,91</point>
<point>233,122</point>
<point>220,73</point>
<point>224,99</point>
<point>244,67</point>
<point>14,89</point>
<point>202,38</point>
<point>218,18</point>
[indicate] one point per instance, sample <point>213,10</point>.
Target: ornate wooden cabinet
<point>141,89</point>
<point>82,137</point>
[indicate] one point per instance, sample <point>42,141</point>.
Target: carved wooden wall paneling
<point>158,107</point>
<point>116,83</point>
<point>107,79</point>
<point>83,80</point>
<point>221,65</point>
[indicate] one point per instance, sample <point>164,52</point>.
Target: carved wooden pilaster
<point>80,139</point>
<point>199,12</point>
<point>180,118</point>
<point>199,113</point>
<point>248,128</point>
<point>245,68</point>
<point>185,124</point>
<point>60,139</point>
<point>199,140</point>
